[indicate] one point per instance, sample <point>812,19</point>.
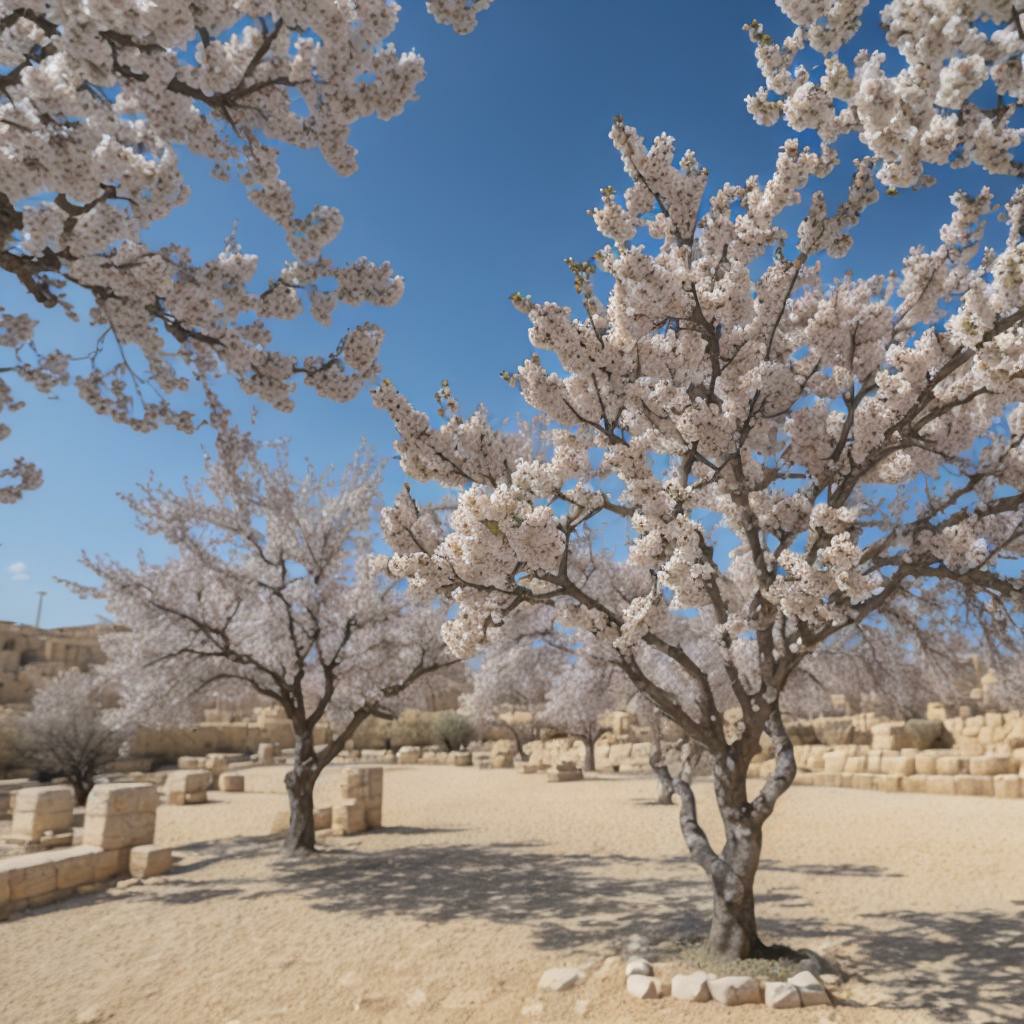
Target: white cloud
<point>18,571</point>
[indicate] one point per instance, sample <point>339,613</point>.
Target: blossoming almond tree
<point>273,588</point>
<point>98,103</point>
<point>953,100</point>
<point>791,457</point>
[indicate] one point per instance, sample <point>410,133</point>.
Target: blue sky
<point>477,190</point>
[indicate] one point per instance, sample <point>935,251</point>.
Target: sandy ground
<point>482,880</point>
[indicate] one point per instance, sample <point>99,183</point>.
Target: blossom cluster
<point>100,103</point>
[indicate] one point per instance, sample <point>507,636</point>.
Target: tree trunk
<point>665,791</point>
<point>732,871</point>
<point>589,759</point>
<point>733,932</point>
<point>301,837</point>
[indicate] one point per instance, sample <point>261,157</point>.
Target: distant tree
<point>580,697</point>
<point>69,732</point>
<point>453,730</point>
<point>273,588</point>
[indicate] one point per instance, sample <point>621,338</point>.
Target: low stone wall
<point>117,839</point>
<point>360,802</point>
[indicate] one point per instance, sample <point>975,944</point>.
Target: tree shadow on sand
<point>963,968</point>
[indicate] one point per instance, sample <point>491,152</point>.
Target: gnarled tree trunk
<point>732,871</point>
<point>589,757</point>
<point>299,782</point>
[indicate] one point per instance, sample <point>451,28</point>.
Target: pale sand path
<point>484,879</point>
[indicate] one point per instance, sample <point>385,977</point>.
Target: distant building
<point>30,656</point>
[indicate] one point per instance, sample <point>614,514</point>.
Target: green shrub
<point>452,730</point>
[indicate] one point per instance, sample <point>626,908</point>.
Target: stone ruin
<point>360,803</point>
<point>564,771</point>
<point>949,753</point>
<point>187,787</point>
<point>116,839</point>
<point>43,817</point>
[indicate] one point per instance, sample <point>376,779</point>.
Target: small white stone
<point>812,992</point>
<point>735,990</point>
<point>581,1007</point>
<point>693,988</point>
<point>642,986</point>
<point>558,979</point>
<point>638,965</point>
<point>780,995</point>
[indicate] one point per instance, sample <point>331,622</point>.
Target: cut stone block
<point>322,817</point>
<point>735,990</point>
<point>948,765</point>
<point>231,782</point>
<point>117,798</point>
<point>188,782</point>
<point>779,995</point>
<point>898,765</point>
<point>693,988</point>
<point>460,758</point>
<point>75,866</point>
<point>989,765</point>
<point>111,863</point>
<point>29,875</point>
<point>187,763</point>
<point>812,991</point>
<point>641,986</point>
<point>940,785</point>
<point>888,783</point>
<point>265,753</point>
<point>115,832</point>
<point>973,785</point>
<point>148,860</point>
<point>348,817</point>
<point>40,809</point>
<point>1007,786</point>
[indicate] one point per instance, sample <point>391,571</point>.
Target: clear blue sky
<point>477,190</point>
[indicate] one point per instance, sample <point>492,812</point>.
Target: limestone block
<point>812,991</point>
<point>949,764</point>
<point>940,785</point>
<point>231,782</point>
<point>864,780</point>
<point>29,875</point>
<point>40,809</point>
<point>735,990</point>
<point>935,712</point>
<point>874,761</point>
<point>188,782</point>
<point>460,758</point>
<point>322,817</point>
<point>216,763</point>
<point>1007,786</point>
<point>525,768</point>
<point>149,860</point>
<point>888,783</point>
<point>122,798</point>
<point>638,965</point>
<point>833,731</point>
<point>118,831</point>
<point>924,762</point>
<point>111,863</point>
<point>830,779</point>
<point>501,759</point>
<point>970,747</point>
<point>641,986</point>
<point>888,736</point>
<point>348,817</point>
<point>993,719</point>
<point>855,764</point>
<point>917,783</point>
<point>989,765</point>
<point>780,995</point>
<point>265,753</point>
<point>834,762</point>
<point>898,765</point>
<point>5,896</point>
<point>973,785</point>
<point>75,866</point>
<point>189,763</point>
<point>846,780</point>
<point>408,755</point>
<point>693,988</point>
